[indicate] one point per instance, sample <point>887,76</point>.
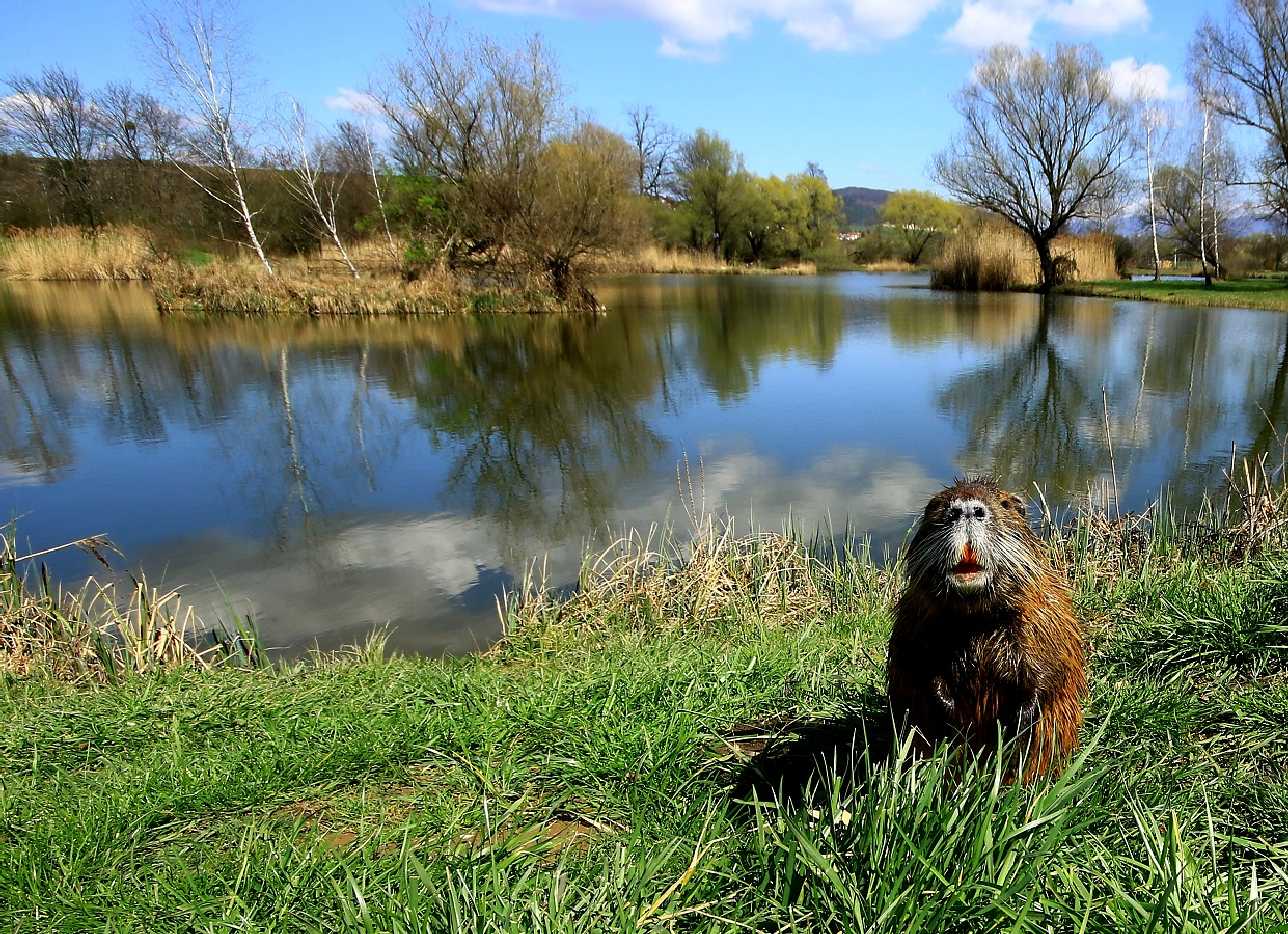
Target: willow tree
<point>1043,138</point>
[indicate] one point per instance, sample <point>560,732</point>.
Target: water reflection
<point>330,476</point>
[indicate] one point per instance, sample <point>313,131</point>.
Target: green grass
<point>1270,293</point>
<point>593,774</point>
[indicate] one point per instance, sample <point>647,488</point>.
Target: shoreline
<point>1255,294</point>
<point>616,740</point>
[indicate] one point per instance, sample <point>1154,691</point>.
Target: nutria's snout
<point>971,525</point>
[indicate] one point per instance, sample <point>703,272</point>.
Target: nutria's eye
<point>979,512</point>
<point>955,512</point>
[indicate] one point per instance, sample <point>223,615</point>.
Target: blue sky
<point>864,87</point>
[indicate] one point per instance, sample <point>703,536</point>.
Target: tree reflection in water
<point>404,469</point>
<point>1025,413</point>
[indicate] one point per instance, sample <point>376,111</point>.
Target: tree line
<point>469,154</point>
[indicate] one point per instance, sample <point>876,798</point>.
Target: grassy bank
<point>593,771</point>
<point>1270,293</point>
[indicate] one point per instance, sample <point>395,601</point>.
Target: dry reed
<point>890,265</point>
<point>655,259</point>
<point>73,254</point>
<point>100,631</point>
<point>995,258</point>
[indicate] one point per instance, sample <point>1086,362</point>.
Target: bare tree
<point>136,125</point>
<point>1191,197</point>
<point>655,144</point>
<point>51,117</point>
<point>476,116</point>
<point>197,52</point>
<point>1241,70</point>
<point>315,178</point>
<point>357,140</point>
<point>1155,122</point>
<point>1043,137</point>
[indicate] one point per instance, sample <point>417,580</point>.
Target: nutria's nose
<point>968,509</point>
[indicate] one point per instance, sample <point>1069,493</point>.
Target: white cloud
<point>1148,80</point>
<point>983,23</point>
<point>670,48</point>
<point>1099,15</point>
<point>694,28</point>
<point>988,22</point>
<point>347,99</point>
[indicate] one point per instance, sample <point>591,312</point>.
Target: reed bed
<point>890,265</point>
<point>73,254</point>
<point>652,258</point>
<point>994,258</point>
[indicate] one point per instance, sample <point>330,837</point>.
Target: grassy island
<point>613,763</point>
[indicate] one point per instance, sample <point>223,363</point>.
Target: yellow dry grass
<point>70,254</point>
<point>652,258</point>
<point>240,287</point>
<point>994,257</point>
<point>890,265</point>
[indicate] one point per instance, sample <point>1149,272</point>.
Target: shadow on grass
<point>793,760</point>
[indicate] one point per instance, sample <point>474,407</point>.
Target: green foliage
<point>918,220</point>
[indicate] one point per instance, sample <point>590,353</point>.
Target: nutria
<point>984,633</point>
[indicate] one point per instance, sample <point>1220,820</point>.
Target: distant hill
<point>862,205</point>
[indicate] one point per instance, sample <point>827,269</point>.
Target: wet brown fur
<point>961,664</point>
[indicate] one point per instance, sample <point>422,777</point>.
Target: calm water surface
<point>329,477</point>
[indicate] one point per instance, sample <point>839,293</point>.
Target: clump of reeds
<point>1242,521</point>
<point>232,287</point>
<point>991,257</point>
<point>74,254</point>
<point>100,631</point>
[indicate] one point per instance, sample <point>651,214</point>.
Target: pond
<point>333,476</point>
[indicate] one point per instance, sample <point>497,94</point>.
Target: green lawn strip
<point>1269,294</point>
<point>575,780</point>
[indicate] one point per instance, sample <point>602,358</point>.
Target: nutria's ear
<point>1012,501</point>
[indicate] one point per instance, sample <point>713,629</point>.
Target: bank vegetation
<point>696,735</point>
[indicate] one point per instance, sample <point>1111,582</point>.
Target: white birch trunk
<point>1150,129</point>
<point>1203,172</point>
<point>380,198</point>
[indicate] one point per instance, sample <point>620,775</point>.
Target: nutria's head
<point>973,543</point>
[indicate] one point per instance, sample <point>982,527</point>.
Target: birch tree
<point>315,179</point>
<point>1240,68</point>
<point>1155,121</point>
<point>197,53</point>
